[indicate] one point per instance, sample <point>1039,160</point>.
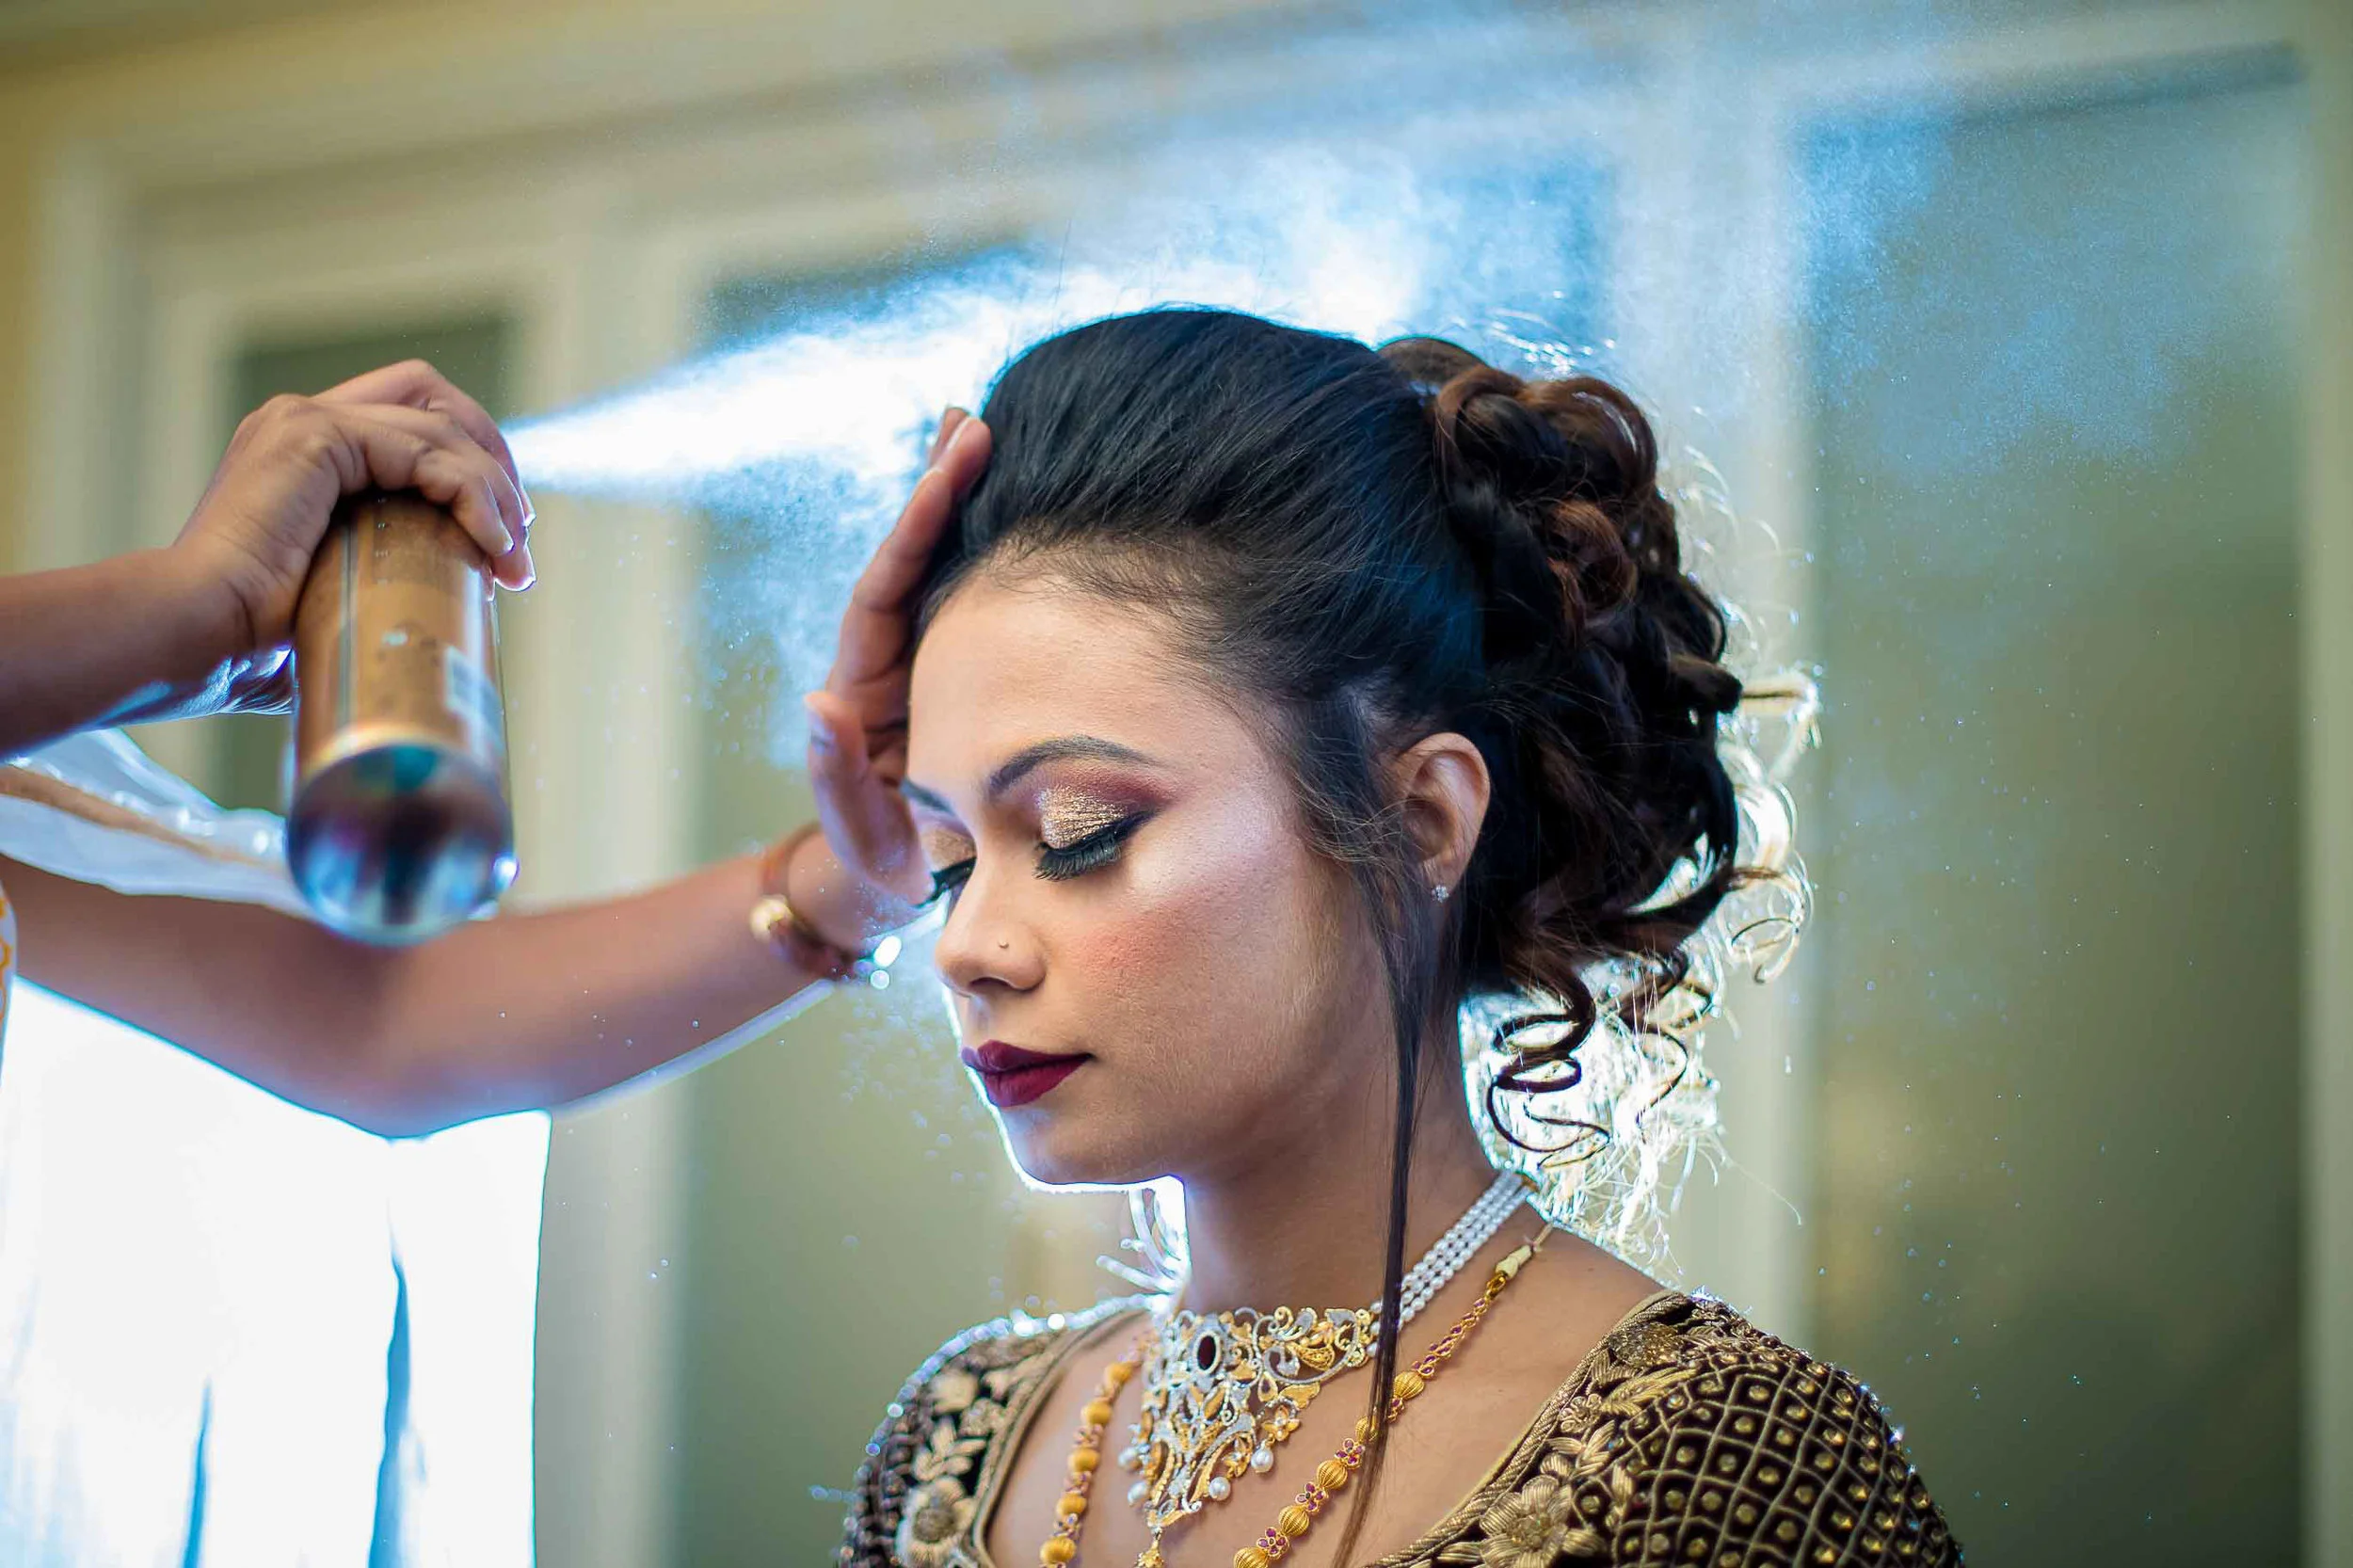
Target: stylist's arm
<point>518,1012</point>
<point>202,625</point>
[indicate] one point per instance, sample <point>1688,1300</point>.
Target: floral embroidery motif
<point>1535,1528</point>
<point>915,1498</point>
<point>933,1516</point>
<point>947,1454</point>
<point>954,1390</point>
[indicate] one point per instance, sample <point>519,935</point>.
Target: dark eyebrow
<point>923,797</point>
<point>1062,749</point>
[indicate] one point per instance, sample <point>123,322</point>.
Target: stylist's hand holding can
<point>247,545</point>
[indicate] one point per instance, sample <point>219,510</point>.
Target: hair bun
<point>1572,462</point>
<point>1570,467</point>
<point>1605,655</point>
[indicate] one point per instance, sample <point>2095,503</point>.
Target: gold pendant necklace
<point>1221,1390</point>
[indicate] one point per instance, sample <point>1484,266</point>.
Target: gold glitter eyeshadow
<point>1066,817</point>
<point>942,849</point>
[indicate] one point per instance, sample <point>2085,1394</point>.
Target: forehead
<point>1003,667</point>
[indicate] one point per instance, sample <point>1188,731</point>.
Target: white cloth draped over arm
<point>234,1332</point>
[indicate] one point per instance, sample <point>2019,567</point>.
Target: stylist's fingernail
<point>819,730</point>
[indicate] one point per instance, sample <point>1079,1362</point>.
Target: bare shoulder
<point>1561,1306</point>
<point>1691,1436</point>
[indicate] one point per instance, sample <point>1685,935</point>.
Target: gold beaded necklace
<point>1294,1521</point>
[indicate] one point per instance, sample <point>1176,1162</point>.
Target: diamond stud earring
<point>1440,891</point>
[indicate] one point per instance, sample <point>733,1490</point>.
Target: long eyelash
<point>1099,848</point>
<point>946,880</point>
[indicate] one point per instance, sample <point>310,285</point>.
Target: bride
<point>1267,697</point>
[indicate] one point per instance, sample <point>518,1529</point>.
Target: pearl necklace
<point>1458,1246</point>
<point>1223,1389</point>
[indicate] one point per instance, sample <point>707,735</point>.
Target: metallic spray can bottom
<point>400,840</point>
<point>398,826</point>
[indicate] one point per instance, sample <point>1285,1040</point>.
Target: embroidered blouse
<point>1688,1436</point>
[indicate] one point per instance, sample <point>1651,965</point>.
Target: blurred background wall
<point>2045,1136</point>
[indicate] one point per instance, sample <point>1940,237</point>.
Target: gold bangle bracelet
<point>775,921</point>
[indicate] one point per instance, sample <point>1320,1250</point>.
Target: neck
<point>1311,1232</point>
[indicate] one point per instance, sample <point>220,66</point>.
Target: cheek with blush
<point>1202,957</point>
<point>1146,956</point>
<point>1118,955</point>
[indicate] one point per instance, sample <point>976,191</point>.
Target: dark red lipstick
<point>1012,1075</point>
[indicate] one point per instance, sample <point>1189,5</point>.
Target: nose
<point>986,945</point>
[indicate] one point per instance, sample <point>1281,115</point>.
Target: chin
<point>1065,1152</point>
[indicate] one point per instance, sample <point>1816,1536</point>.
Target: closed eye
<point>1096,850</point>
<point>946,880</point>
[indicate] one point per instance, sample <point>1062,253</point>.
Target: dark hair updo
<point>1379,546</point>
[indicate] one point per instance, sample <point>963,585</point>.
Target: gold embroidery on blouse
<point>938,1454</point>
<point>1688,1436</point>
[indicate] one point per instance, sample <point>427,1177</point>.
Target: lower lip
<point>1023,1084</point>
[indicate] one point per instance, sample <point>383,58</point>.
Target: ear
<point>1442,786</point>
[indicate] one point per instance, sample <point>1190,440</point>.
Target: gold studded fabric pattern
<point>1687,1437</point>
<point>1690,1437</point>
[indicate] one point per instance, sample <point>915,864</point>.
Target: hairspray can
<point>398,826</point>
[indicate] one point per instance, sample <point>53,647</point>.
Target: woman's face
<point>1150,972</point>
